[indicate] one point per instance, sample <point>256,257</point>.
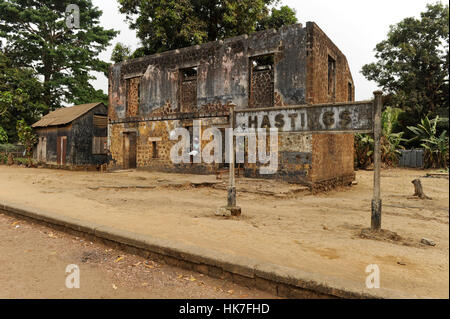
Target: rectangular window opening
<point>350,92</point>
<point>188,89</point>
<point>99,145</point>
<point>133,86</point>
<point>100,120</point>
<point>261,80</point>
<point>154,150</point>
<point>331,77</point>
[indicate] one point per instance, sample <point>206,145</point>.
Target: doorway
<point>61,149</point>
<point>129,150</point>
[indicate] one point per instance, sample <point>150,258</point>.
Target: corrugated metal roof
<point>64,115</point>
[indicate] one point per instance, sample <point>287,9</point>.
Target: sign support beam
<point>231,198</point>
<point>376,201</point>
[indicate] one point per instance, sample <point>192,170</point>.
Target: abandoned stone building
<point>293,65</point>
<point>73,136</point>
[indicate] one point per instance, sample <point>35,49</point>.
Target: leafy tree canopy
<point>120,53</point>
<point>38,36</point>
<point>163,25</point>
<point>21,96</point>
<point>277,18</point>
<point>412,65</point>
<point>3,136</point>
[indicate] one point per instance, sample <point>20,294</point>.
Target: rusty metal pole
<point>231,198</point>
<point>376,201</point>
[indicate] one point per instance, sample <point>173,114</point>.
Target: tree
<point>412,65</point>
<point>3,136</point>
<point>163,25</point>
<point>21,96</point>
<point>278,18</point>
<point>27,138</point>
<point>120,53</point>
<point>38,36</point>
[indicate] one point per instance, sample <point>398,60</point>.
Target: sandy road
<point>315,233</point>
<point>33,261</point>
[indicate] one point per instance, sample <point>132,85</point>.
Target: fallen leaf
<point>149,266</point>
<point>230,292</point>
<point>180,276</point>
<point>114,287</point>
<point>14,224</point>
<point>243,296</point>
<point>137,264</point>
<point>118,259</point>
<point>51,235</point>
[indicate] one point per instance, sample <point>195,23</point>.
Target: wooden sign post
<point>376,201</point>
<point>231,197</point>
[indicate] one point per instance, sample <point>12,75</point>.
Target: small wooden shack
<point>73,136</point>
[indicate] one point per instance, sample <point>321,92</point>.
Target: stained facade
<point>293,65</point>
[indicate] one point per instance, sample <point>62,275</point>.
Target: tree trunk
<point>418,191</point>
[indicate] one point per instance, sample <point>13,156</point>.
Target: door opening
<point>129,150</point>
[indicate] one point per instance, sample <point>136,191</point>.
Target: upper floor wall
<point>329,78</point>
<point>288,66</point>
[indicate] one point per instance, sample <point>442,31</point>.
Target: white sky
<point>355,26</point>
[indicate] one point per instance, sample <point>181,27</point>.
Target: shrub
<point>436,146</point>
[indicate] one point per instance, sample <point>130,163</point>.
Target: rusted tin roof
<point>65,115</point>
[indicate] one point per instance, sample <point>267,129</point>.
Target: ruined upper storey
<point>265,69</point>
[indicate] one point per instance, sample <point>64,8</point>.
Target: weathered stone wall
<point>222,72</point>
<point>332,153</point>
<point>294,159</point>
<point>156,134</point>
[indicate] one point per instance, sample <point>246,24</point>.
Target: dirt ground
<point>33,261</point>
<point>281,223</point>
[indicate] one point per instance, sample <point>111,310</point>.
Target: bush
<point>363,150</point>
<point>391,141</point>
<point>3,136</point>
<point>435,145</point>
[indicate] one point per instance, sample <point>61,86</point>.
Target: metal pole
<point>376,201</point>
<point>231,199</point>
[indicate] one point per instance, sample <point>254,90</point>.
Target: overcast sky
<point>355,26</point>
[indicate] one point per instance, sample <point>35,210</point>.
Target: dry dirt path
<point>314,233</point>
<point>33,261</point>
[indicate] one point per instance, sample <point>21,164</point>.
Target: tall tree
<point>163,25</point>
<point>38,34</point>
<point>412,65</point>
<point>21,96</point>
